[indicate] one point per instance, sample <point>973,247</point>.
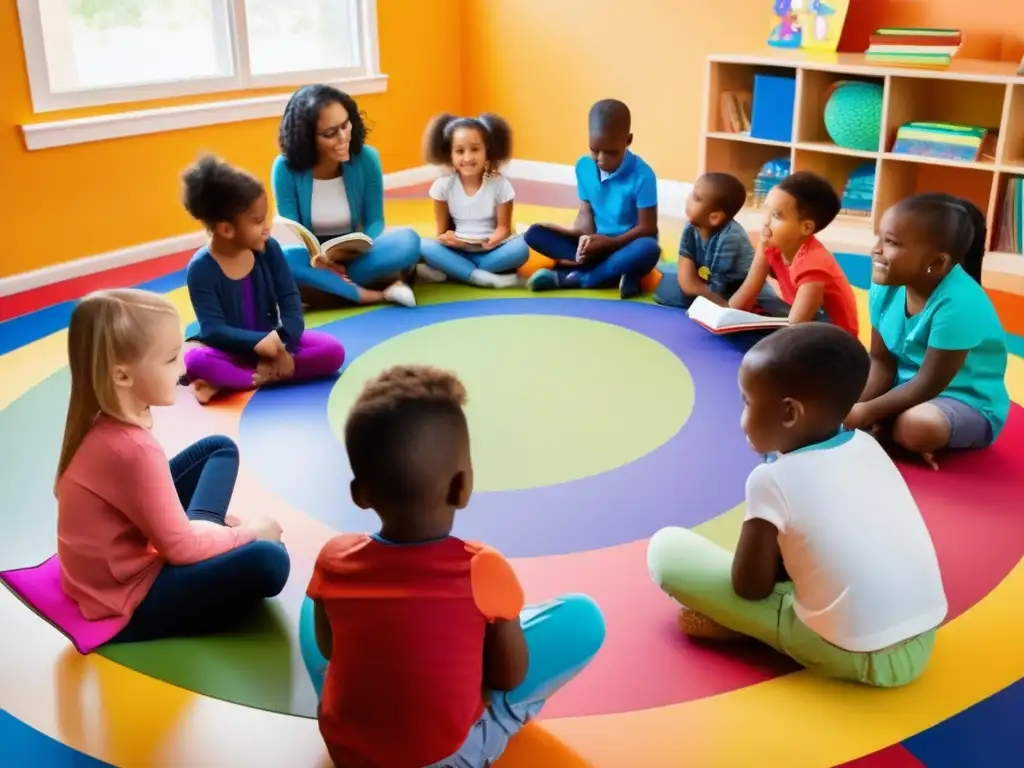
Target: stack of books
<point>1011,218</point>
<point>913,46</point>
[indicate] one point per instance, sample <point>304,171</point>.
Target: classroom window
<point>89,52</point>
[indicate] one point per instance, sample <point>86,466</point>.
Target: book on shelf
<point>913,46</point>
<point>1011,218</point>
<point>949,141</point>
<point>722,320</point>
<point>336,250</point>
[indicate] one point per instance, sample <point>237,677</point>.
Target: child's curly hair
<point>495,131</point>
<point>215,192</point>
<point>406,429</point>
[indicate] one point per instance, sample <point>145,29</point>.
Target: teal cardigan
<point>364,185</point>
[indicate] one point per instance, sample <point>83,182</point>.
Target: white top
<point>329,211</point>
<point>476,216</point>
<point>864,569</point>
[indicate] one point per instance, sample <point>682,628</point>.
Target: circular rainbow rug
<point>595,422</point>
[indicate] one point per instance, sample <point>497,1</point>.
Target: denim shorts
<point>968,427</point>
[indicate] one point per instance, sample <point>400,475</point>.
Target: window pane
<point>132,42</point>
<point>300,35</point>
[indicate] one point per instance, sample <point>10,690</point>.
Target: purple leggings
<point>317,354</point>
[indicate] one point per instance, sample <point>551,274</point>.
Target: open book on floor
<point>338,249</point>
<point>720,320</point>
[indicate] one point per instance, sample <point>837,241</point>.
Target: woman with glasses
<point>329,180</point>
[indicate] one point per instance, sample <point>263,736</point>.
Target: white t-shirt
<point>864,569</point>
<point>329,210</point>
<point>476,216</point>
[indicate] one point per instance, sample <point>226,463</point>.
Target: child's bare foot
<point>264,373</point>
<point>203,392</point>
<point>694,624</point>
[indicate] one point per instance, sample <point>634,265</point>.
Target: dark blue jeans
<point>635,259</point>
<point>210,596</point>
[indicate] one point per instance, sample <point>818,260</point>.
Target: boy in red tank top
<point>417,641</point>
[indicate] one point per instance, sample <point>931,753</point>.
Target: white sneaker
<point>428,274</point>
<point>485,279</point>
<point>400,293</point>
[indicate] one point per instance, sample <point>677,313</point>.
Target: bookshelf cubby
<point>988,94</point>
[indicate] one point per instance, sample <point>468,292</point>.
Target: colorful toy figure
<point>787,32</point>
<point>806,24</point>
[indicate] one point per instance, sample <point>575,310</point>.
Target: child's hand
<point>265,529</point>
<point>449,239</point>
<point>283,366</point>
<point>593,245</point>
<point>860,417</point>
<point>494,241</point>
<point>270,346</point>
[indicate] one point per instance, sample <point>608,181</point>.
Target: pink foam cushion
<point>40,589</point>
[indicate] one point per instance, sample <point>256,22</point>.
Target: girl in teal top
<point>330,181</point>
<point>938,349</point>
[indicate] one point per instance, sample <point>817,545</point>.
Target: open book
<point>721,320</point>
<point>338,250</point>
<point>475,244</point>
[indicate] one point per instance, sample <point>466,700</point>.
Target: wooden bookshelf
<point>984,93</point>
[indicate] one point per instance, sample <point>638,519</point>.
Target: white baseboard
<point>27,281</point>
<point>1005,273</point>
<point>154,249</point>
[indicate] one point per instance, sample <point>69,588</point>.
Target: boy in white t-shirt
<point>834,565</point>
<point>472,204</point>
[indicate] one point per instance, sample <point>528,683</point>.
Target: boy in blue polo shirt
<point>614,239</point>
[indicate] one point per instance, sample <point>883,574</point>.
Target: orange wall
<point>70,202</point>
<point>541,63</point>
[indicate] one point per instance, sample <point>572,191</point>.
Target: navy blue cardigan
<point>217,301</point>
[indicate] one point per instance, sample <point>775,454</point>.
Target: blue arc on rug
<point>696,475</point>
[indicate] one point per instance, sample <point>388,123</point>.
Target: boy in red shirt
<point>811,282</point>
<point>417,642</point>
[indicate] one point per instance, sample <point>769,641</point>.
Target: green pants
<point>698,574</point>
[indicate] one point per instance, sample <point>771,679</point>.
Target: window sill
<point>82,130</point>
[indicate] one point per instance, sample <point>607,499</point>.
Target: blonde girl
<point>139,538</point>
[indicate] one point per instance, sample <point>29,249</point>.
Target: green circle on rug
<point>551,399</point>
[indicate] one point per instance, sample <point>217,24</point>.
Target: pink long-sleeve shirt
<point>119,520</point>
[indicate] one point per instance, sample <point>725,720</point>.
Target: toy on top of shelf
<point>853,114</point>
<point>966,143</point>
<point>771,173</point>
<point>809,24</point>
<point>859,191</point>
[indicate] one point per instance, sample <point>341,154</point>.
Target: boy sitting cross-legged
<point>715,252</point>
<point>614,240</point>
<point>417,641</point>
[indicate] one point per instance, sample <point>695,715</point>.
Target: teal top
<point>957,316</point>
<point>364,186</point>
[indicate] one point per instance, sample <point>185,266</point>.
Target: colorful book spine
<point>940,140</point>
<point>916,47</point>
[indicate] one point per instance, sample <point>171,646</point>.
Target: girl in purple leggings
<point>250,326</point>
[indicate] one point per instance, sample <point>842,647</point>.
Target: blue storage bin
<point>772,112</point>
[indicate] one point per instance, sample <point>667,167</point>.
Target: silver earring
<point>929,270</point>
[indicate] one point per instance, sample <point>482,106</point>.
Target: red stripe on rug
<point>896,756</point>
<point>67,290</point>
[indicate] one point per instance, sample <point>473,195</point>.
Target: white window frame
<point>230,13</point>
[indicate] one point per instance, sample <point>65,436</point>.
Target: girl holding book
<point>329,180</point>
<point>472,203</point>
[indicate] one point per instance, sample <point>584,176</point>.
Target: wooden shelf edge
<point>745,138</point>
<point>971,165</point>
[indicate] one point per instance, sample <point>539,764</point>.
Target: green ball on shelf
<point>853,115</point>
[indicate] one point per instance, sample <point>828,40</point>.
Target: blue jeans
<point>212,595</point>
<point>634,260</point>
<point>393,255</point>
<point>459,265</point>
<point>562,635</point>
